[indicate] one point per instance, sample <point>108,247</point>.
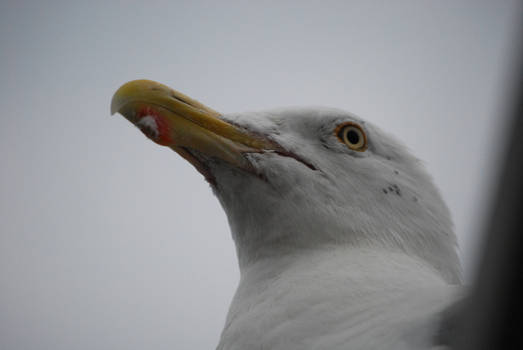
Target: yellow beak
<point>172,119</point>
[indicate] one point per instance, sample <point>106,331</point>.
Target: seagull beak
<point>172,119</point>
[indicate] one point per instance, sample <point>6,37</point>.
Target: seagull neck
<point>308,294</point>
<point>354,267</point>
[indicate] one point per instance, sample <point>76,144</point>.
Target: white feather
<point>357,254</point>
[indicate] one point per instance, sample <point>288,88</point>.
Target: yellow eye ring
<point>352,135</point>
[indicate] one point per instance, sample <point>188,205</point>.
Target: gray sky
<point>108,241</point>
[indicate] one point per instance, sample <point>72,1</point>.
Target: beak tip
<point>121,96</point>
<point>116,102</point>
<point>114,109</point>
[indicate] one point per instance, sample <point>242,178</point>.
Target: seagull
<point>343,240</point>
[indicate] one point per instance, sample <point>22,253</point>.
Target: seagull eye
<point>353,136</point>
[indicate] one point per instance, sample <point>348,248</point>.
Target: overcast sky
<point>108,241</point>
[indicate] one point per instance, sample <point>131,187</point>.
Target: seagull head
<point>299,179</point>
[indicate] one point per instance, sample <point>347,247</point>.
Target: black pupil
<point>353,136</point>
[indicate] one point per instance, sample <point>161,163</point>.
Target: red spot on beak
<point>154,125</point>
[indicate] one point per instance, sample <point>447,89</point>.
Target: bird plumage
<point>342,242</point>
<point>359,253</point>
